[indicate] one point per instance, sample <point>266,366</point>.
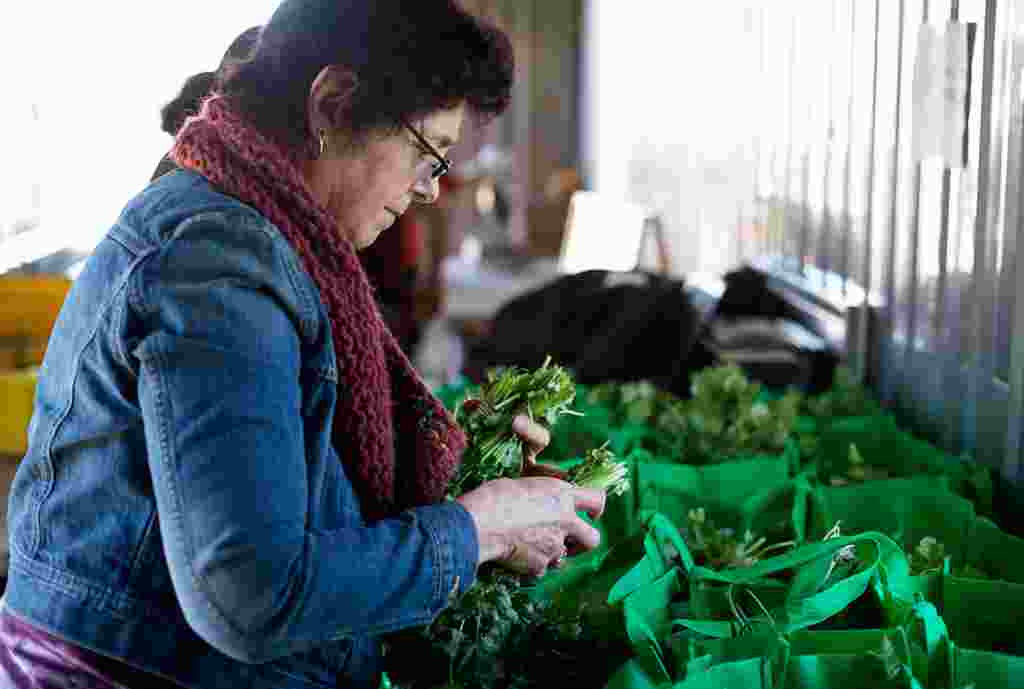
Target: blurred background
<point>861,158</point>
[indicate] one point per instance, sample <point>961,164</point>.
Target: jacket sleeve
<point>219,362</point>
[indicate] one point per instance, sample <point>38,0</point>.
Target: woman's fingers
<point>589,500</point>
<point>581,536</point>
<point>533,434</point>
<point>534,469</point>
<point>528,560</point>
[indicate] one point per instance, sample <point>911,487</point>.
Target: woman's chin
<point>369,237</point>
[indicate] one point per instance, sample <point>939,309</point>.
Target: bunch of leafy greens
<point>929,557</point>
<point>856,470</point>
<point>719,548</point>
<point>637,403</point>
<point>846,397</point>
<point>727,417</point>
<point>497,635</point>
<point>494,450</point>
<point>601,470</point>
<point>469,643</point>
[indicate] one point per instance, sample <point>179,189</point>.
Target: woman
<point>234,476</point>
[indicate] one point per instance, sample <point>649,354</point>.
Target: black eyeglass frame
<point>443,165</point>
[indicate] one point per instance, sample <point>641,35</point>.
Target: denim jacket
<point>180,506</point>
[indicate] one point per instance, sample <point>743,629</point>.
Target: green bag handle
<point>908,678</point>
<point>928,628</point>
<point>802,495</point>
<point>778,651</point>
<point>660,531</point>
<point>638,610</point>
<point>795,558</point>
<point>775,666</point>
<point>802,491</point>
<point>799,612</point>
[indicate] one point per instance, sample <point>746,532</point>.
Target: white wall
<point>100,72</point>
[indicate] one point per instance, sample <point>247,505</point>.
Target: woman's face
<point>368,187</point>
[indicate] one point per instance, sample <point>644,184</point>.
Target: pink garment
<point>31,658</point>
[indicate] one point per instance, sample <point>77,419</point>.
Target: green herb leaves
<point>494,451</point>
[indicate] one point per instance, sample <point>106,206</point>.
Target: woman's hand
<point>530,524</point>
<point>535,438</point>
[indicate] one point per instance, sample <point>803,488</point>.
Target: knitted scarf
<point>399,446</point>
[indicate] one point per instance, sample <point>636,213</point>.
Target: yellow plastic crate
<point>29,306</point>
<point>17,392</point>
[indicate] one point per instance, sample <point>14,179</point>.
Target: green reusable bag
<point>807,436</point>
<point>907,656</point>
<point>673,489</point>
<point>983,615</point>
<point>586,582</point>
<point>998,554</point>
<point>986,670</point>
<point>660,542</point>
<point>772,521</point>
<point>808,660</point>
<point>751,673</point>
<point>808,597</point>
<point>646,592</point>
<point>907,510</point>
<point>633,674</point>
<point>648,618</point>
<point>867,666</point>
<point>894,453</point>
<point>722,489</point>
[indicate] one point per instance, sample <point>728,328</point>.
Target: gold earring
<point>323,142</point>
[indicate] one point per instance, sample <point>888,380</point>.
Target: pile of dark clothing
<point>624,326</point>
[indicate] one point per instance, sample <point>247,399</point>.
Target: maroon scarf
<point>397,442</point>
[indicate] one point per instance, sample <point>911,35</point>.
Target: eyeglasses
<point>441,165</point>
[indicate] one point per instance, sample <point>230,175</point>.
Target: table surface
<point>478,290</point>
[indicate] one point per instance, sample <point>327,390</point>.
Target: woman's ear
<point>330,97</point>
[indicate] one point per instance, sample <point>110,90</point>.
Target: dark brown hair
<point>411,58</point>
<point>198,86</point>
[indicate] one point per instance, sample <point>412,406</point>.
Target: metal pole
<point>863,351</point>
<point>789,139</point>
<point>758,219</point>
<point>825,245</point>
<point>942,290</point>
<point>1015,427</point>
<point>979,292</point>
<point>847,226</point>
<point>805,179</point>
<point>994,451</point>
<point>915,246</point>
<point>887,387</point>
